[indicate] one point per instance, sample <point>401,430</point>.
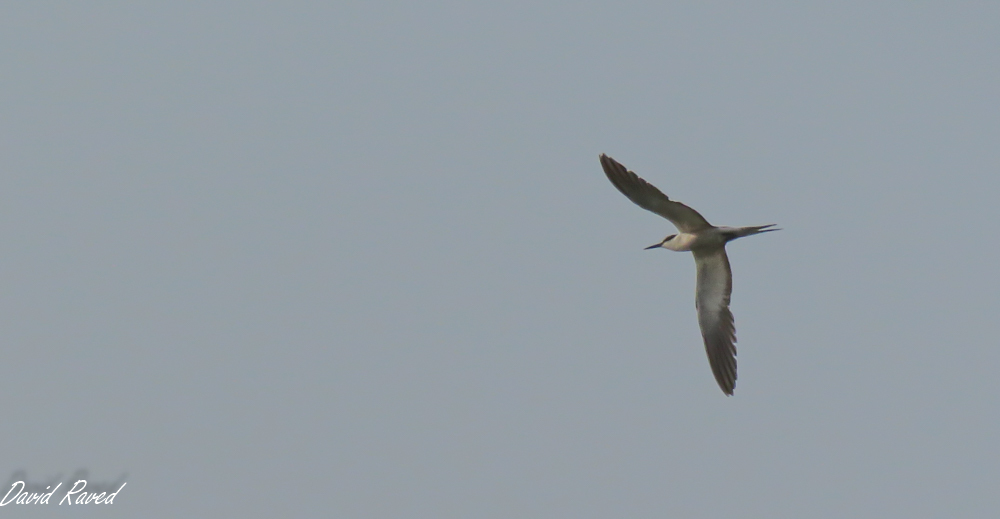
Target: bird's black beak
<point>657,246</point>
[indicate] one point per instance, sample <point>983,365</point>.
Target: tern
<point>708,245</point>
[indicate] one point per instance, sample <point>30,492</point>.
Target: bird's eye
<point>668,238</point>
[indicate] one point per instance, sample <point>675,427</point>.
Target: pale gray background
<point>359,259</point>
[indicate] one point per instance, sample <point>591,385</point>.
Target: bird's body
<point>708,245</point>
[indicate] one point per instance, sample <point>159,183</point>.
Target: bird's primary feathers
<point>708,244</point>
<point>646,196</point>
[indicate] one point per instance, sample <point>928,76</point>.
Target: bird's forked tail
<point>740,232</point>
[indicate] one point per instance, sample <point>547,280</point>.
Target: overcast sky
<point>359,259</point>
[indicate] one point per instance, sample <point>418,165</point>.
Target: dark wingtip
<point>726,385</point>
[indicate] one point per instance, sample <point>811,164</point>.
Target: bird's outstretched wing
<point>715,284</point>
<point>646,196</point>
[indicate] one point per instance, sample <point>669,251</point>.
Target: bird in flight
<point>708,244</point>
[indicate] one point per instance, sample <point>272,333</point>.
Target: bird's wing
<point>646,196</point>
<point>715,284</point>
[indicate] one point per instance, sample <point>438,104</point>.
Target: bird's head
<point>663,243</point>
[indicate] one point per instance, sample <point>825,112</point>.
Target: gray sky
<point>360,259</point>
